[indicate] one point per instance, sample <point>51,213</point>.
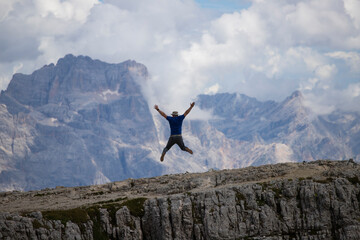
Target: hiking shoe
<point>189,151</point>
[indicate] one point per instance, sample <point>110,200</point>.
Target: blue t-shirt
<point>175,124</point>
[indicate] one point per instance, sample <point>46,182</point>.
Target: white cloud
<point>352,7</point>
<point>213,89</point>
<point>326,71</point>
<point>77,10</point>
<point>327,101</point>
<point>267,50</point>
<point>351,58</point>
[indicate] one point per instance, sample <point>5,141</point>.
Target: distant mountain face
<point>83,122</point>
<point>292,130</point>
<point>78,122</point>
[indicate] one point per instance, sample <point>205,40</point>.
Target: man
<point>175,126</point>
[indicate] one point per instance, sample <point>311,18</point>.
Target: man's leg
<point>170,143</point>
<point>182,146</point>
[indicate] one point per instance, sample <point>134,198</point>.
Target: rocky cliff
<point>310,200</point>
<point>79,122</point>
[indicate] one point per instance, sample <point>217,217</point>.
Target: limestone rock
<point>323,205</point>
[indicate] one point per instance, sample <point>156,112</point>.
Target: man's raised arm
<point>161,112</point>
<point>188,111</point>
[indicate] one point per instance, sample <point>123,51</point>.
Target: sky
<point>265,49</point>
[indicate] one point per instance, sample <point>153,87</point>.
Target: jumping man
<point>175,126</point>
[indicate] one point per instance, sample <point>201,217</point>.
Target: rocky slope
<point>310,200</point>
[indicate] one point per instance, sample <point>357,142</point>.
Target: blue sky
<point>264,49</point>
<point>224,6</point>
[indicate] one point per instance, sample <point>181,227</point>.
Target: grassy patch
<point>136,206</point>
<point>76,215</point>
<point>354,180</point>
<point>37,225</point>
<point>239,196</point>
<point>112,200</point>
<point>264,185</point>
<point>196,215</point>
<point>324,181</point>
<point>96,193</point>
<point>277,192</point>
<point>260,202</point>
<point>98,232</point>
<point>42,194</point>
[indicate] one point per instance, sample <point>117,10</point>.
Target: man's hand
<point>188,111</point>
<point>161,112</point>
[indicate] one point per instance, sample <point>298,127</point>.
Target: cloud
<point>351,58</point>
<point>213,89</point>
<point>266,50</point>
<point>352,7</point>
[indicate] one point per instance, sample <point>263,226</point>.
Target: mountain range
<point>83,121</point>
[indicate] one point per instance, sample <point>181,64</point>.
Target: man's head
<point>174,114</point>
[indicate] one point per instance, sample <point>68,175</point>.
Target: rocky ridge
<point>310,200</point>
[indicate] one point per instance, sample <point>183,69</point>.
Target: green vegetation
<point>135,206</point>
<point>261,201</point>
<point>196,215</point>
<point>37,225</point>
<point>80,216</point>
<point>94,215</point>
<point>42,194</point>
<point>264,185</point>
<point>76,215</point>
<point>96,193</point>
<point>277,192</point>
<point>354,180</point>
<point>169,204</point>
<point>324,181</point>
<point>239,196</point>
<point>112,200</point>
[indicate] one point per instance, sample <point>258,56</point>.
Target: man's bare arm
<point>189,109</point>
<point>161,112</point>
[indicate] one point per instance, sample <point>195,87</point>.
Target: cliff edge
<point>309,200</point>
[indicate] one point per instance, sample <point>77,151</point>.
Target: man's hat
<point>175,113</point>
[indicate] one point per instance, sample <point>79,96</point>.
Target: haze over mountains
<point>84,121</point>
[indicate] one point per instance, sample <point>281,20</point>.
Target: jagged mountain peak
<point>296,99</point>
<point>292,106</point>
<point>73,74</point>
<point>297,94</point>
<point>233,105</point>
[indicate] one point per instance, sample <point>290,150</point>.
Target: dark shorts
<point>175,139</point>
